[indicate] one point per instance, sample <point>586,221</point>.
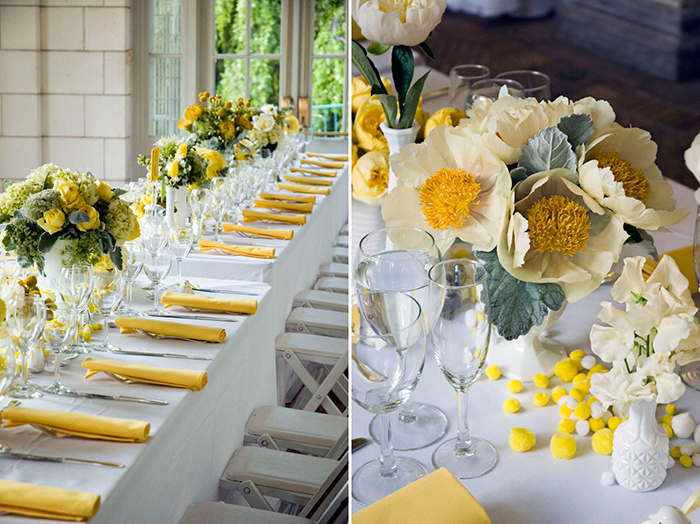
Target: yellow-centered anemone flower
<point>555,232</point>
<point>452,186</point>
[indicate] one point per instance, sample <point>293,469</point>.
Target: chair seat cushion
<point>315,429</point>
<point>221,513</point>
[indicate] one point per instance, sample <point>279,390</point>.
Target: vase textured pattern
<point>396,139</point>
<point>640,449</point>
<point>176,207</point>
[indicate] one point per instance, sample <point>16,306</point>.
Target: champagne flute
<point>107,297</point>
<point>133,263</point>
<point>180,243</point>
<point>76,286</point>
<point>156,268</point>
<point>58,333</point>
<point>200,202</point>
<point>26,316</point>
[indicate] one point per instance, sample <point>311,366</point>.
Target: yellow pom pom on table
<point>668,429</point>
<point>514,386</point>
<point>576,356</point>
<point>493,372</point>
<point>602,441</point>
<point>582,411</point>
<point>686,461</point>
<point>596,424</point>
<point>558,392</point>
<point>566,369</point>
<point>521,439</point>
<point>565,411</point>
<point>577,394</point>
<point>511,405</point>
<point>541,381</point>
<point>676,452</point>
<point>671,409</point>
<point>566,425</point>
<point>562,446</point>
<point>666,419</point>
<point>540,399</point>
<point>613,422</point>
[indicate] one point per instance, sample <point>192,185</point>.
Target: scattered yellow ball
<point>493,372</point>
<point>87,335</point>
<point>676,452</point>
<point>87,327</point>
<point>578,379</point>
<point>566,369</point>
<point>541,381</point>
<point>576,356</point>
<point>540,399</point>
<point>97,326</point>
<point>577,394</point>
<point>585,386</point>
<point>598,368</point>
<point>582,411</point>
<point>596,424</point>
<point>686,461</point>
<point>668,429</point>
<point>565,411</point>
<point>558,392</point>
<point>566,425</point>
<point>591,399</point>
<point>562,446</point>
<point>514,386</point>
<point>521,439</point>
<point>613,422</point>
<point>670,409</point>
<point>666,419</point>
<point>511,405</point>
<point>602,441</point>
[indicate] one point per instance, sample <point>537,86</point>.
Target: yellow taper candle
<point>155,157</point>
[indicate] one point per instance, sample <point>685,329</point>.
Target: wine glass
<point>461,79</point>
<point>490,89</point>
<point>382,268</point>
<point>460,332</point>
<point>536,84</point>
<point>200,202</point>
<point>154,231</point>
<point>108,294</point>
<point>388,353</point>
<point>76,286</point>
<point>180,245</point>
<point>690,373</point>
<point>59,330</point>
<point>133,263</point>
<point>219,207</point>
<point>156,268</point>
<point>26,316</point>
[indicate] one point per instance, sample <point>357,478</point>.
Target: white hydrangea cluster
<point>14,197</point>
<point>120,220</point>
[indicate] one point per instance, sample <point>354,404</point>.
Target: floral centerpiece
<point>64,212</point>
<point>268,127</point>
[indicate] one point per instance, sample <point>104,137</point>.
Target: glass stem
<point>156,305</point>
<point>407,416</point>
<point>388,465</point>
<point>129,292</point>
<point>25,369</point>
<point>216,229</point>
<point>105,340</point>
<point>179,270</point>
<point>464,442</point>
<point>56,373</point>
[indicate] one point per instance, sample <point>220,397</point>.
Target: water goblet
<point>461,79</point>
<point>536,84</point>
<point>458,320</point>
<point>134,253</point>
<point>26,316</point>
<point>200,202</point>
<point>219,207</point>
<point>156,268</point>
<point>154,231</point>
<point>491,89</point>
<point>107,297</point>
<point>75,287</point>
<point>59,330</point>
<point>180,245</point>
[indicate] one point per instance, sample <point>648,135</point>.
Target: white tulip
<point>398,22</point>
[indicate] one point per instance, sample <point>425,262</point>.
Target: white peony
<point>263,122</point>
<point>692,161</point>
<point>397,22</point>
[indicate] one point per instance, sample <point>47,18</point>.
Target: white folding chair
<point>299,348</point>
<point>318,322</point>
<point>345,229</point>
<point>340,254</point>
<point>334,269</point>
<point>341,241</point>
<point>318,299</point>
<point>333,284</point>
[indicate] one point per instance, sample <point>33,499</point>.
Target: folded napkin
<point>46,502</point>
<point>246,306</point>
<point>178,378</point>
<point>288,206</point>
<point>684,259</point>
<point>340,158</point>
<point>250,215</point>
<point>322,163</point>
<point>307,199</point>
<point>171,329</point>
<point>282,234</point>
<point>318,172</point>
<point>308,180</point>
<point>244,251</point>
<point>301,188</point>
<point>438,498</point>
<point>87,426</point>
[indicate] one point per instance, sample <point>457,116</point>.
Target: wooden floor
<point>669,111</point>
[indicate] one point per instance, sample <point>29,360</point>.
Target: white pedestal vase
<point>54,261</point>
<point>529,354</point>
<point>176,207</point>
<point>396,139</point>
<point>640,449</point>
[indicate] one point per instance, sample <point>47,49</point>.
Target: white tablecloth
<point>194,436</point>
<point>535,487</point>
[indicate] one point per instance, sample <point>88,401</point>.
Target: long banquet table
<point>194,436</point>
<point>534,487</point>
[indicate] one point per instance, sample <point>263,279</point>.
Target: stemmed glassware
<point>378,268</point>
<point>154,231</point>
<point>59,330</point>
<point>76,286</point>
<point>108,294</point>
<point>237,194</point>
<point>458,320</point>
<point>388,353</point>
<point>25,317</point>
<point>132,265</point>
<point>219,207</point>
<point>200,202</point>
<point>156,268</point>
<point>180,245</point>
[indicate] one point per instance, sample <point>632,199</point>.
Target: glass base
<point>59,389</point>
<point>129,313</point>
<point>368,485</point>
<point>471,466</point>
<point>690,374</point>
<point>80,348</point>
<point>106,349</point>
<point>427,425</point>
<point>25,392</point>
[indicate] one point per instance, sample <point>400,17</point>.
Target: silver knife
<point>118,397</point>
<point>166,355</point>
<point>193,317</point>
<point>65,460</point>
<point>225,291</point>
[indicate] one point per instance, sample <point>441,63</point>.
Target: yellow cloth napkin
<point>318,172</point>
<point>250,215</point>
<point>244,251</point>
<point>179,378</point>
<point>281,234</point>
<point>322,163</point>
<point>308,180</point>
<point>171,329</point>
<point>46,502</point>
<point>246,306</point>
<point>684,259</point>
<point>88,426</point>
<point>287,206</point>
<point>307,199</point>
<point>437,498</point>
<point>340,158</point>
<point>301,188</point>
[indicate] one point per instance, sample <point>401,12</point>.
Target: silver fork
<point>53,432</point>
<point>159,337</point>
<point>120,378</point>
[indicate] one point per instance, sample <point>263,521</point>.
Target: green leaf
<point>550,149</point>
<point>578,128</point>
<point>643,240</point>
<point>517,306</point>
<point>377,49</point>
<point>118,191</point>
<point>365,66</point>
<point>427,50</point>
<point>78,217</point>
<point>390,108</point>
<point>46,242</point>
<point>408,113</point>
<point>116,257</point>
<point>517,174</point>
<point>402,70</point>
<point>5,218</point>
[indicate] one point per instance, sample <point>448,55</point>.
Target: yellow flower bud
<point>104,192</point>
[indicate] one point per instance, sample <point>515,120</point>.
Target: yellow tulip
<point>174,169</point>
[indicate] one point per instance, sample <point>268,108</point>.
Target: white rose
<point>263,122</point>
<point>398,23</point>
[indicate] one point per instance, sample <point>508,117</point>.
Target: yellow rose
<point>227,129</point>
<point>184,124</point>
<point>104,192</point>
<point>361,91</point>
<point>291,122</point>
<point>353,156</point>
<point>94,216</point>
<point>136,232</point>
<point>448,116</point>
<point>366,127</point>
<point>70,196</point>
<point>193,112</point>
<point>370,177</point>
<point>52,221</point>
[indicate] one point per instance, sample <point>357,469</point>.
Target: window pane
<point>328,88</point>
<point>164,108</point>
<point>165,26</point>
<point>265,16</point>
<point>329,26</point>
<point>230,79</point>
<point>230,26</point>
<point>264,82</point>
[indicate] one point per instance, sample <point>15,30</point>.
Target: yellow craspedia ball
<point>613,422</point>
<point>676,452</point>
<point>666,419</point>
<point>602,441</point>
<point>511,405</point>
<point>670,409</point>
<point>566,369</point>
<point>566,425</point>
<point>521,439</point>
<point>596,424</point>
<point>562,446</point>
<point>577,394</point>
<point>582,411</point>
<point>686,461</point>
<point>668,429</point>
<point>541,381</point>
<point>514,386</point>
<point>558,392</point>
<point>493,372</point>
<point>576,356</point>
<point>565,411</point>
<point>87,335</point>
<point>540,399</point>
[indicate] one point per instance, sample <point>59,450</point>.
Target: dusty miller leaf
<point>578,128</point>
<point>550,149</point>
